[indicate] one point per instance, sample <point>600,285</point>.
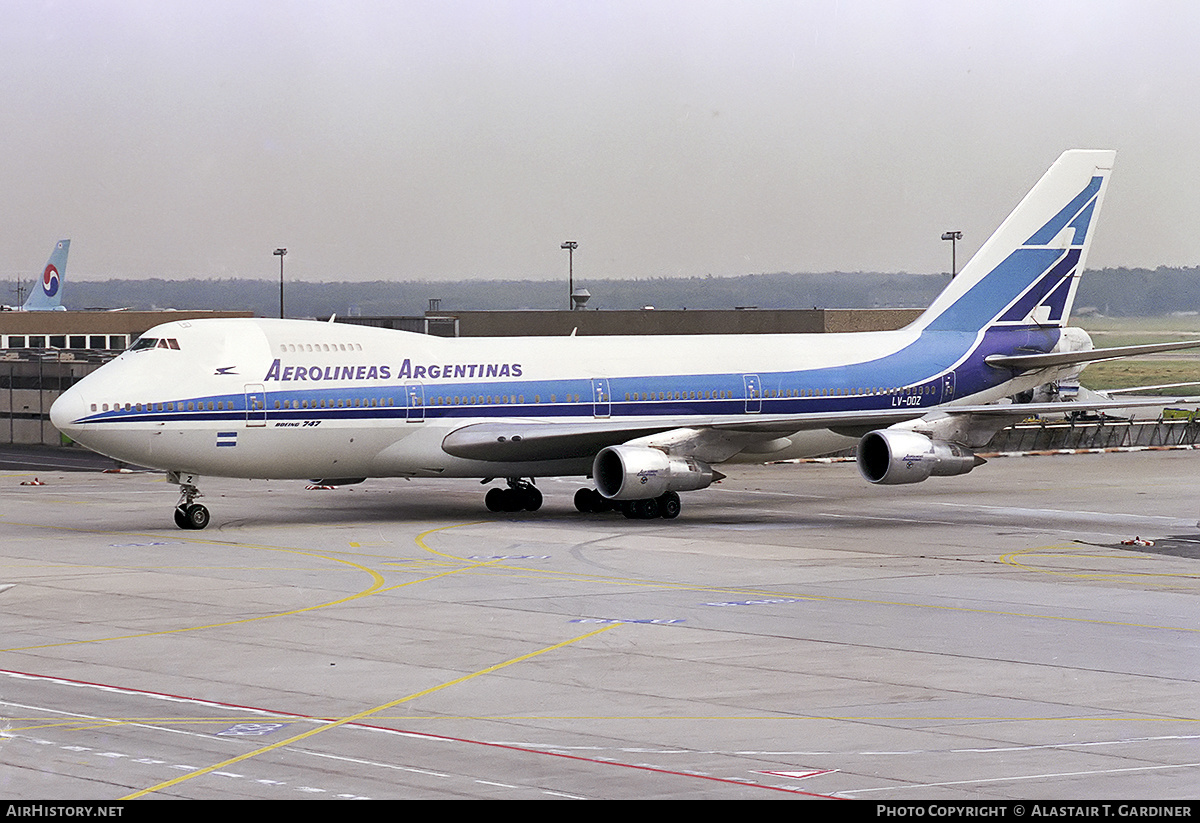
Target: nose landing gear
<point>188,513</point>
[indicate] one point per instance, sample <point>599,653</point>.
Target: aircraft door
<point>256,405</point>
<point>753,393</point>
<point>414,394</point>
<point>601,399</point>
<point>948,387</point>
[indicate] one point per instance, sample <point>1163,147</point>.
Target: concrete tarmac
<point>796,633</point>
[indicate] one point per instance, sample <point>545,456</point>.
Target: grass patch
<point>1107,332</point>
<point>1124,374</point>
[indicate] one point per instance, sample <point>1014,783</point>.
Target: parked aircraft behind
<point>47,295</point>
<point>645,418</point>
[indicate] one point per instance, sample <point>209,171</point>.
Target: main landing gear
<point>188,513</point>
<point>666,505</point>
<point>521,495</point>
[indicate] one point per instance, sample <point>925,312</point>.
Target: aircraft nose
<point>67,409</point>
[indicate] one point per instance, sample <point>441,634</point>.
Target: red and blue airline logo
<point>50,280</point>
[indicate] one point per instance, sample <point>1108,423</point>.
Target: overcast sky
<point>404,139</point>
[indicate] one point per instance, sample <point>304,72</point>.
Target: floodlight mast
<point>570,246</point>
<point>280,253</point>
<point>953,237</point>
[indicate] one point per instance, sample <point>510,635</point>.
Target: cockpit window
<point>154,342</point>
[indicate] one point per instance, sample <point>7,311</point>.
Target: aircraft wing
<point>521,441</point>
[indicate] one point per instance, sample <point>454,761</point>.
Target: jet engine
<point>638,472</point>
<point>891,457</point>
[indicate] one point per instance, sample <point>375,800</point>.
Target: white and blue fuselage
<point>301,399</point>
<point>294,399</point>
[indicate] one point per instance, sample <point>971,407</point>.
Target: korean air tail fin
<point>1027,272</point>
<point>46,295</point>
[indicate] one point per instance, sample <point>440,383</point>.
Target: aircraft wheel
<point>494,500</point>
<point>646,509</point>
<point>196,516</point>
<point>583,501</point>
<point>531,498</point>
<point>590,501</point>
<point>181,518</point>
<point>513,500</point>
<point>669,505</point>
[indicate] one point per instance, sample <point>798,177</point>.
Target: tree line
<point>1113,292</point>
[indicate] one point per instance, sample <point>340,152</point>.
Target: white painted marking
<point>800,775</point>
<point>1018,778</point>
<point>374,763</point>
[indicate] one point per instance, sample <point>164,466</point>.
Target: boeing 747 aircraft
<point>645,418</point>
<point>47,295</point>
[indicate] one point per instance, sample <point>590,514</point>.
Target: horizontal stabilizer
<point>1042,361</point>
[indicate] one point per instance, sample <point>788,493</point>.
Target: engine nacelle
<point>890,457</point>
<point>638,472</point>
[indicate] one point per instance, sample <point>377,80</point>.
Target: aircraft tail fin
<point>1027,272</point>
<point>46,295</point>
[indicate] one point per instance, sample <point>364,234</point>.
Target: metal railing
<point>1071,435</point>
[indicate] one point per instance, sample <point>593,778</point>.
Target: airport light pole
<point>280,253</point>
<point>953,237</point>
<point>570,246</point>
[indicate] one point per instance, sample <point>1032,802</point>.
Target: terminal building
<point>563,323</point>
